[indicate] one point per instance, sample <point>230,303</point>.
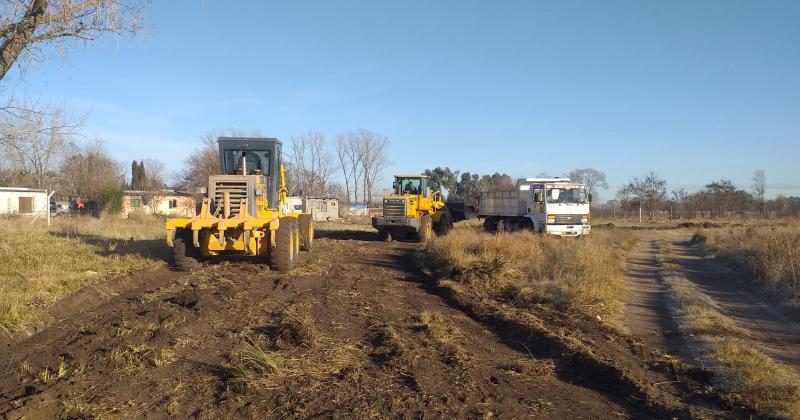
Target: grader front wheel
<point>185,256</point>
<point>284,255</point>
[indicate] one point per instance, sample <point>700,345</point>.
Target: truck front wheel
<point>306,232</point>
<point>490,225</point>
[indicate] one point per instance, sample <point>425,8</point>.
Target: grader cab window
<point>257,160</point>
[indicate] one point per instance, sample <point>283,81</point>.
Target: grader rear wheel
<point>306,232</point>
<point>284,255</point>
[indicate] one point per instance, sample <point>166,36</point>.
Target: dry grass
<point>772,254</point>
<point>526,269</point>
<point>39,265</point>
<point>746,375</point>
<point>756,380</point>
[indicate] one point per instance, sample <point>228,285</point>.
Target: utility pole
<point>640,212</point>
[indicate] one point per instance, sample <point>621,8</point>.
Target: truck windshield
<point>256,160</point>
<point>407,186</point>
<point>566,195</point>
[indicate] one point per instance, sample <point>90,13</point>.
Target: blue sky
<point>693,90</point>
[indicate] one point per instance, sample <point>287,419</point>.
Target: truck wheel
<point>282,257</point>
<point>425,229</point>
<point>383,235</point>
<point>306,232</point>
<point>185,256</point>
<point>445,224</point>
<point>490,225</point>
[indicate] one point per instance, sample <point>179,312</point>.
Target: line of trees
<point>719,198</point>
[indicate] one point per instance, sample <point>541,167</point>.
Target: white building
<point>320,208</point>
<point>158,203</point>
<point>23,201</point>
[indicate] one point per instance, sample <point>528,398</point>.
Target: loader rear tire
<point>425,229</point>
<point>306,232</point>
<point>185,256</point>
<point>282,257</point>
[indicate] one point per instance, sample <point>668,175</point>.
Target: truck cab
<point>557,206</point>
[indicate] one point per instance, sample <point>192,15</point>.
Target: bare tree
<point>201,164</point>
<point>27,27</point>
<point>347,149</point>
<point>372,153</point>
<point>760,188</point>
<point>88,171</point>
<point>155,170</point>
<point>590,177</point>
<point>312,165</point>
<point>34,140</point>
<point>648,193</point>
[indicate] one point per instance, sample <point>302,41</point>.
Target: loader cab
<point>411,185</point>
<point>261,155</point>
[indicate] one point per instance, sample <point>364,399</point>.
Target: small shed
<point>23,201</point>
<point>158,203</point>
<point>322,208</point>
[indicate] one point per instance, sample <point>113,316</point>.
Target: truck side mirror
<point>537,197</point>
<point>590,198</point>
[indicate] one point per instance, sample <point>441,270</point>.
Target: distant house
<point>23,201</point>
<point>168,203</point>
<point>321,208</point>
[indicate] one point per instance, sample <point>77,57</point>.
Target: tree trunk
<point>20,36</point>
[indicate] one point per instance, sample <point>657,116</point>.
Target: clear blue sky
<point>694,90</point>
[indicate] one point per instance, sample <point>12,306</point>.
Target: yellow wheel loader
<point>244,212</point>
<point>413,209</point>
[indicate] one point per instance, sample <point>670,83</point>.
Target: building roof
<point>19,189</point>
<point>162,193</point>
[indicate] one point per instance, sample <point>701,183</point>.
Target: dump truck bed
<point>502,203</point>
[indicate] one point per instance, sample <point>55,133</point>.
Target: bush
<point>111,200</point>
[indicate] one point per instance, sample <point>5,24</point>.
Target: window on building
<point>173,204</point>
<point>136,203</point>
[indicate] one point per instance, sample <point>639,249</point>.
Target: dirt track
<point>165,343</point>
<point>759,314</point>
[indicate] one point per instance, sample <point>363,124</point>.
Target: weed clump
<point>525,269</point>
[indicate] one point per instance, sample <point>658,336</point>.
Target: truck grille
<point>568,219</point>
<point>237,190</point>
<point>394,208</point>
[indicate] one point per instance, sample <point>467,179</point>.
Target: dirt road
<point>355,331</point>
<point>648,317</point>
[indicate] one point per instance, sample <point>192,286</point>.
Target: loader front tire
<point>185,256</point>
<point>425,229</point>
<point>445,224</point>
<point>283,256</point>
<point>306,232</point>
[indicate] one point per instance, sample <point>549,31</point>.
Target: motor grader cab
<point>244,211</point>
<point>413,209</point>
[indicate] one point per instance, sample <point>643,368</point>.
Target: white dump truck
<point>555,206</point>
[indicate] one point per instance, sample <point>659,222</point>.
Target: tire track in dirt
<point>740,300</point>
<point>647,314</point>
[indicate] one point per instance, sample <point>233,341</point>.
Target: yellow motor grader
<point>413,209</point>
<point>244,211</point>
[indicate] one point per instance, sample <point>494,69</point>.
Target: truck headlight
<point>551,219</point>
<point>585,220</point>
